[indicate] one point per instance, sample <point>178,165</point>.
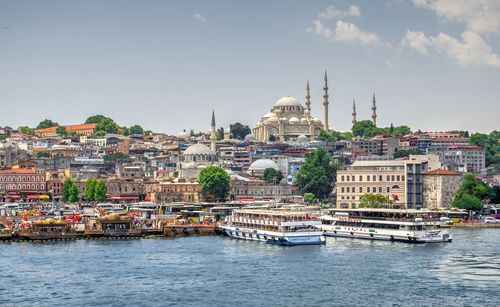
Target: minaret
<point>374,111</point>
<point>354,112</point>
<point>325,104</point>
<point>308,98</point>
<point>213,134</point>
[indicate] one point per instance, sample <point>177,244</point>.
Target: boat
<point>280,227</point>
<point>5,231</point>
<point>112,226</point>
<point>403,225</point>
<point>47,229</point>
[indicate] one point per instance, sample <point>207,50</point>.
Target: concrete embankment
<point>471,225</point>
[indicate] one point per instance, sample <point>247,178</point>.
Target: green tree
<point>403,153</point>
<point>272,138</point>
<point>239,131</point>
<point>136,129</point>
<point>90,189</point>
<point>43,154</point>
<point>374,201</point>
<point>272,176</point>
<point>309,198</point>
<point>473,187</point>
<point>365,129</point>
<point>468,202</point>
<point>119,156</point>
<point>325,136</point>
<point>105,124</point>
<point>26,130</point>
<point>46,123</point>
<point>401,131</point>
<point>69,191</point>
<point>317,174</point>
<point>220,133</point>
<point>61,130</point>
<point>100,191</point>
<point>215,181</point>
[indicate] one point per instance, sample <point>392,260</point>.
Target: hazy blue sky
<point>433,65</point>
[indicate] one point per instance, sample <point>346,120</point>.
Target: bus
<point>457,216</point>
<point>495,213</point>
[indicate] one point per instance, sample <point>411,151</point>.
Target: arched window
<point>395,186</point>
<point>344,206</point>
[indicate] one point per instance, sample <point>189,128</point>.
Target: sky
<point>433,65</point>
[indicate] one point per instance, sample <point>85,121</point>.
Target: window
<point>374,178</point>
<point>352,178</point>
<point>348,190</point>
<point>368,178</point>
<point>342,189</point>
<point>360,189</point>
<point>380,189</point>
<point>360,178</point>
<point>380,178</point>
<point>348,177</point>
<point>398,178</point>
<point>388,190</point>
<point>368,189</point>
<point>341,178</point>
<point>392,177</point>
<point>388,178</point>
<point>395,186</point>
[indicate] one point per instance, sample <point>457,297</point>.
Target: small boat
<point>5,232</point>
<point>47,229</point>
<point>403,225</point>
<point>280,227</point>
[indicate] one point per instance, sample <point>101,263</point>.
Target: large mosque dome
<point>262,164</point>
<point>197,149</point>
<point>288,101</point>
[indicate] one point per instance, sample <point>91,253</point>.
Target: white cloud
<point>471,51</point>
<point>345,32</point>
<point>331,12</point>
<point>199,17</point>
<point>480,16</point>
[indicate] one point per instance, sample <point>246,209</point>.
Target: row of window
<point>368,189</point>
<point>21,178</point>
<point>372,178</point>
<point>25,187</point>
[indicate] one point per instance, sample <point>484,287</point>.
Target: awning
<point>13,196</point>
<point>125,197</point>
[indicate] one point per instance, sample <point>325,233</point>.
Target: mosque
<point>289,119</point>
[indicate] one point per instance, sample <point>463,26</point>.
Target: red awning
<point>13,196</point>
<point>33,197</point>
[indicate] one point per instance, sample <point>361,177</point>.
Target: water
<point>219,271</point>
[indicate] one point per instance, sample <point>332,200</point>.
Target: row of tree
<point>95,190</point>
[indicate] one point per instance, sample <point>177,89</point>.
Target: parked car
<point>490,220</point>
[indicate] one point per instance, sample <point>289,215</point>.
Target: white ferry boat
<point>281,227</point>
<point>413,226</point>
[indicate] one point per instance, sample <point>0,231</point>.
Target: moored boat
<point>281,227</point>
<point>47,229</point>
<point>112,225</point>
<point>412,226</point>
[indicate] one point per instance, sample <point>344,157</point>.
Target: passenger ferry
<point>413,226</point>
<point>281,227</point>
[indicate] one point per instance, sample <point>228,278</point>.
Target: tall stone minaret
<point>374,111</point>
<point>325,104</point>
<point>308,98</point>
<point>354,112</point>
<point>213,134</point>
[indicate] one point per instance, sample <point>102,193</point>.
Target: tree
<point>365,129</point>
<point>61,130</point>
<point>272,176</point>
<point>309,198</point>
<point>473,187</point>
<point>105,124</point>
<point>401,131</point>
<point>490,143</point>
<point>215,181</point>
<point>239,131</point>
<point>119,156</point>
<point>468,202</point>
<point>46,123</point>
<point>324,136</point>
<point>26,130</point>
<point>69,191</point>
<point>43,154</point>
<point>272,138</point>
<point>220,133</point>
<point>90,189</point>
<point>374,201</point>
<point>136,129</point>
<point>100,191</point>
<point>317,174</point>
<point>403,153</point>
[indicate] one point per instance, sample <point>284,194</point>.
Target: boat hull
<point>395,237</point>
<point>275,238</point>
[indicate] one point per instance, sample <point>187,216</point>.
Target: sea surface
<point>220,271</point>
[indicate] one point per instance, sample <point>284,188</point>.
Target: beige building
<point>440,187</point>
<point>167,192</point>
<point>400,180</point>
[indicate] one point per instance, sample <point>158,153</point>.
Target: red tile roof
<point>442,172</point>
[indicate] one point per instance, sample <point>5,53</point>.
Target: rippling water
<point>220,271</point>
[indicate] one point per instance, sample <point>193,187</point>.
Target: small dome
<point>183,135</point>
<point>288,101</point>
<point>270,114</point>
<point>284,119</point>
<point>303,120</point>
<point>197,149</point>
<point>317,120</point>
<point>228,130</point>
<point>262,164</point>
<point>302,139</point>
<point>249,138</point>
<point>294,120</point>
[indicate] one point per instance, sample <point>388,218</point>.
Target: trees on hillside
<point>215,181</point>
<point>46,123</point>
<point>61,130</point>
<point>472,193</point>
<point>104,124</point>
<point>317,174</point>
